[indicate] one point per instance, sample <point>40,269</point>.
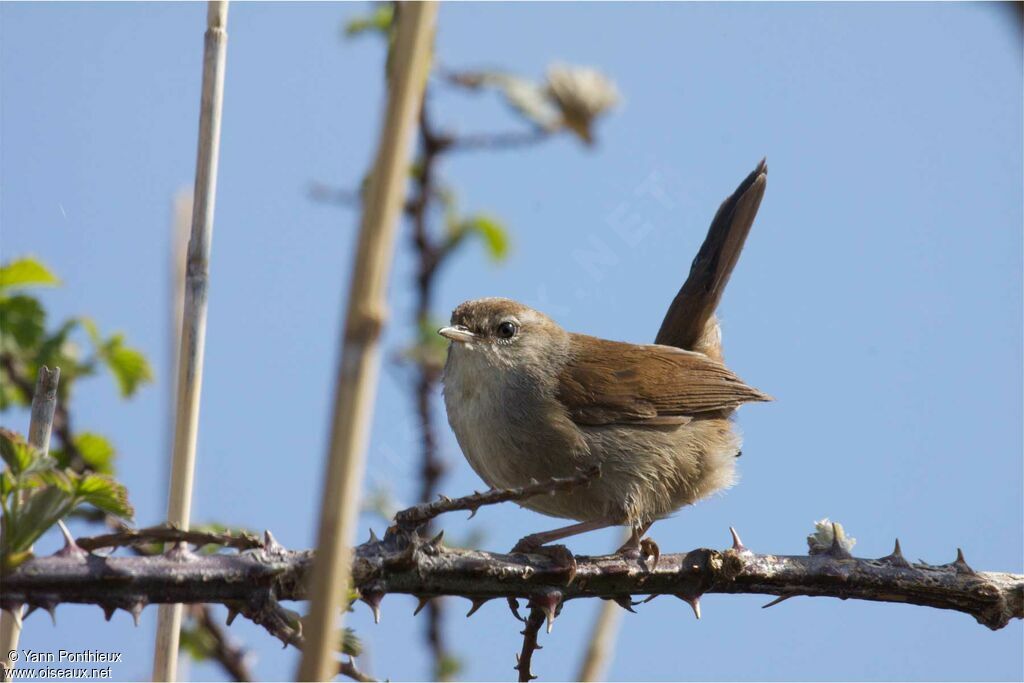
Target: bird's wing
<point>609,387</point>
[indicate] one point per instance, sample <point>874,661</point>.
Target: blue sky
<point>878,298</point>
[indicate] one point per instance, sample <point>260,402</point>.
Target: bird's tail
<point>690,322</point>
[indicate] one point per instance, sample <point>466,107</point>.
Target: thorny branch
<point>252,582</point>
<point>127,537</point>
<point>525,657</point>
<point>230,656</point>
<point>225,651</point>
<point>418,515</point>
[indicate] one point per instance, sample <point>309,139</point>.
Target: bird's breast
<point>510,428</point>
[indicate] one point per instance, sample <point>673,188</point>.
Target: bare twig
<point>228,654</point>
<point>126,537</point>
<point>44,404</point>
<point>515,139</point>
<point>358,364</point>
<point>530,632</point>
<point>416,516</point>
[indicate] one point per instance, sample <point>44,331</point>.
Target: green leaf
<point>40,510</point>
<point>350,643</point>
<point>491,231</point>
<point>129,367</point>
<point>379,21</point>
<point>97,452</point>
<point>26,272</point>
<point>104,493</point>
<point>447,668</point>
<point>24,321</point>
<point>6,484</point>
<point>16,452</point>
<point>198,642</point>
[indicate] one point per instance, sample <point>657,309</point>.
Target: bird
<point>528,400</point>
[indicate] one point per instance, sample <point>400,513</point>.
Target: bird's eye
<point>507,329</point>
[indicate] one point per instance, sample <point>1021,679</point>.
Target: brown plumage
<point>528,400</point>
<point>636,384</point>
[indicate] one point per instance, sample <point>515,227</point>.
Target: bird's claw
<point>648,548</point>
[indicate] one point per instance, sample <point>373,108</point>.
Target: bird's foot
<point>640,550</point>
<point>562,557</point>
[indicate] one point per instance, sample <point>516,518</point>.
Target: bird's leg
<point>534,543</point>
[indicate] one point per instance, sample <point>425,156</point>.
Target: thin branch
<point>515,139</point>
<point>416,516</point>
<point>226,652</point>
<point>530,632</point>
<point>263,608</point>
<point>126,537</point>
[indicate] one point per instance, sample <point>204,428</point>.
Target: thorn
<point>776,601</point>
<point>136,611</point>
<point>232,613</point>
<point>472,513</point>
<point>373,599</point>
<point>513,604</point>
<point>108,611</point>
<point>270,543</point>
<point>737,543</point>
<point>960,564</point>
<point>895,558</point>
<point>838,550</point>
<point>477,604</point>
<point>423,602</point>
<point>373,537</point>
<point>548,603</point>
<point>693,602</point>
<point>70,548</point>
<point>178,552</point>
<point>625,603</point>
<point>29,610</point>
<point>51,608</point>
<point>444,498</point>
<point>648,599</point>
<point>436,540</point>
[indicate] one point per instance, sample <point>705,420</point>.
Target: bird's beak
<point>458,333</point>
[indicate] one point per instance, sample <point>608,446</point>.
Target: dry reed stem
<point>355,386</point>
<point>44,404</point>
<point>193,323</point>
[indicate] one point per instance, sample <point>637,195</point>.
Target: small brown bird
<point>528,400</point>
